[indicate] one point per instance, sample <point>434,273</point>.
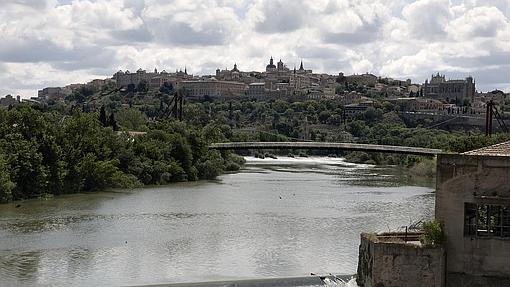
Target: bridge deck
<point>326,146</point>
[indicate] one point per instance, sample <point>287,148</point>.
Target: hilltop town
<point>356,92</point>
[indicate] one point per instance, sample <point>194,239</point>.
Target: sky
<point>59,42</point>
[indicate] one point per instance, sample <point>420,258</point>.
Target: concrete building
<point>473,207</point>
<point>213,88</point>
<point>351,111</point>
<point>419,104</point>
<point>350,98</point>
<point>497,96</point>
<point>98,84</point>
<point>124,79</point>
<point>449,90</point>
<point>229,75</point>
<point>256,89</point>
<point>473,203</point>
<point>51,93</point>
<point>9,100</point>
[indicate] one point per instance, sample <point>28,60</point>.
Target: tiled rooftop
<point>501,149</point>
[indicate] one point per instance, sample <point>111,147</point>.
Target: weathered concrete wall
<point>393,264</point>
<point>461,179</point>
<point>466,280</point>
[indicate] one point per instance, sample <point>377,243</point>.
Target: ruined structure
<point>399,259</point>
<point>473,206</point>
<point>473,203</point>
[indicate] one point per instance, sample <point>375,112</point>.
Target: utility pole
<point>492,112</point>
<point>488,119</point>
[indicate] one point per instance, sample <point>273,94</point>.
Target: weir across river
<point>327,146</point>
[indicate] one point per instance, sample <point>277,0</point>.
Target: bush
<point>433,234</point>
<point>358,157</point>
<point>209,169</point>
<point>232,166</point>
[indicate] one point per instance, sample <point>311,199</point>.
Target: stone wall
<point>396,264</point>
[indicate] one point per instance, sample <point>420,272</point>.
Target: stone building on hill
<point>449,90</point>
<point>213,88</point>
<point>154,80</point>
<point>9,100</point>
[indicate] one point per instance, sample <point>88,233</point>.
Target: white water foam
<point>297,160</point>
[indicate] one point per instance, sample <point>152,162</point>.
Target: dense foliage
<point>47,153</point>
<point>74,145</point>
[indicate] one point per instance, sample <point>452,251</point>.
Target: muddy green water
<point>285,217</point>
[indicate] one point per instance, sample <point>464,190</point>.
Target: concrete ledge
<point>270,282</point>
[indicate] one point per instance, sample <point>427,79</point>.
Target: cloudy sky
<point>57,42</point>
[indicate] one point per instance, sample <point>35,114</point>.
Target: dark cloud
<point>82,57</point>
<point>34,4</point>
<point>337,65</point>
<point>495,58</point>
<point>367,33</point>
<point>139,35</point>
<point>281,17</point>
<point>351,39</point>
<point>136,6</point>
<point>85,58</point>
<point>179,33</point>
<point>317,52</point>
<point>30,51</point>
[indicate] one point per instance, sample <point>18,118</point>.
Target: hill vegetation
<point>81,143</point>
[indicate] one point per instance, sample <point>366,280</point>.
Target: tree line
<point>47,153</point>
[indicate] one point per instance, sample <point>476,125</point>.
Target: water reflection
<point>286,217</point>
<point>21,266</point>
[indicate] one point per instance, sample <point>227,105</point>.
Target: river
<point>285,217</point>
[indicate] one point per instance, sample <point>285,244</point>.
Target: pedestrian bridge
<point>326,146</point>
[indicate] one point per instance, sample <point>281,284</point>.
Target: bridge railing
<point>326,146</point>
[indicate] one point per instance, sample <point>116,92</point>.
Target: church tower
<point>271,67</point>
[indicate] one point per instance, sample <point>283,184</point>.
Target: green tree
<point>112,122</point>
<point>6,185</point>
<point>131,119</point>
<point>102,117</point>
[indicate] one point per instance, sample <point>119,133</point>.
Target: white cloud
<point>182,22</point>
<point>427,19</point>
<point>51,44</point>
<point>478,22</point>
<point>277,16</point>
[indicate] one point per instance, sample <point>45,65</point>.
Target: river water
<point>285,217</point>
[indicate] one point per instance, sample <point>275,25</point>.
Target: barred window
<point>486,220</point>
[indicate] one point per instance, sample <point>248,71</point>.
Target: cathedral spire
<point>301,66</point>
